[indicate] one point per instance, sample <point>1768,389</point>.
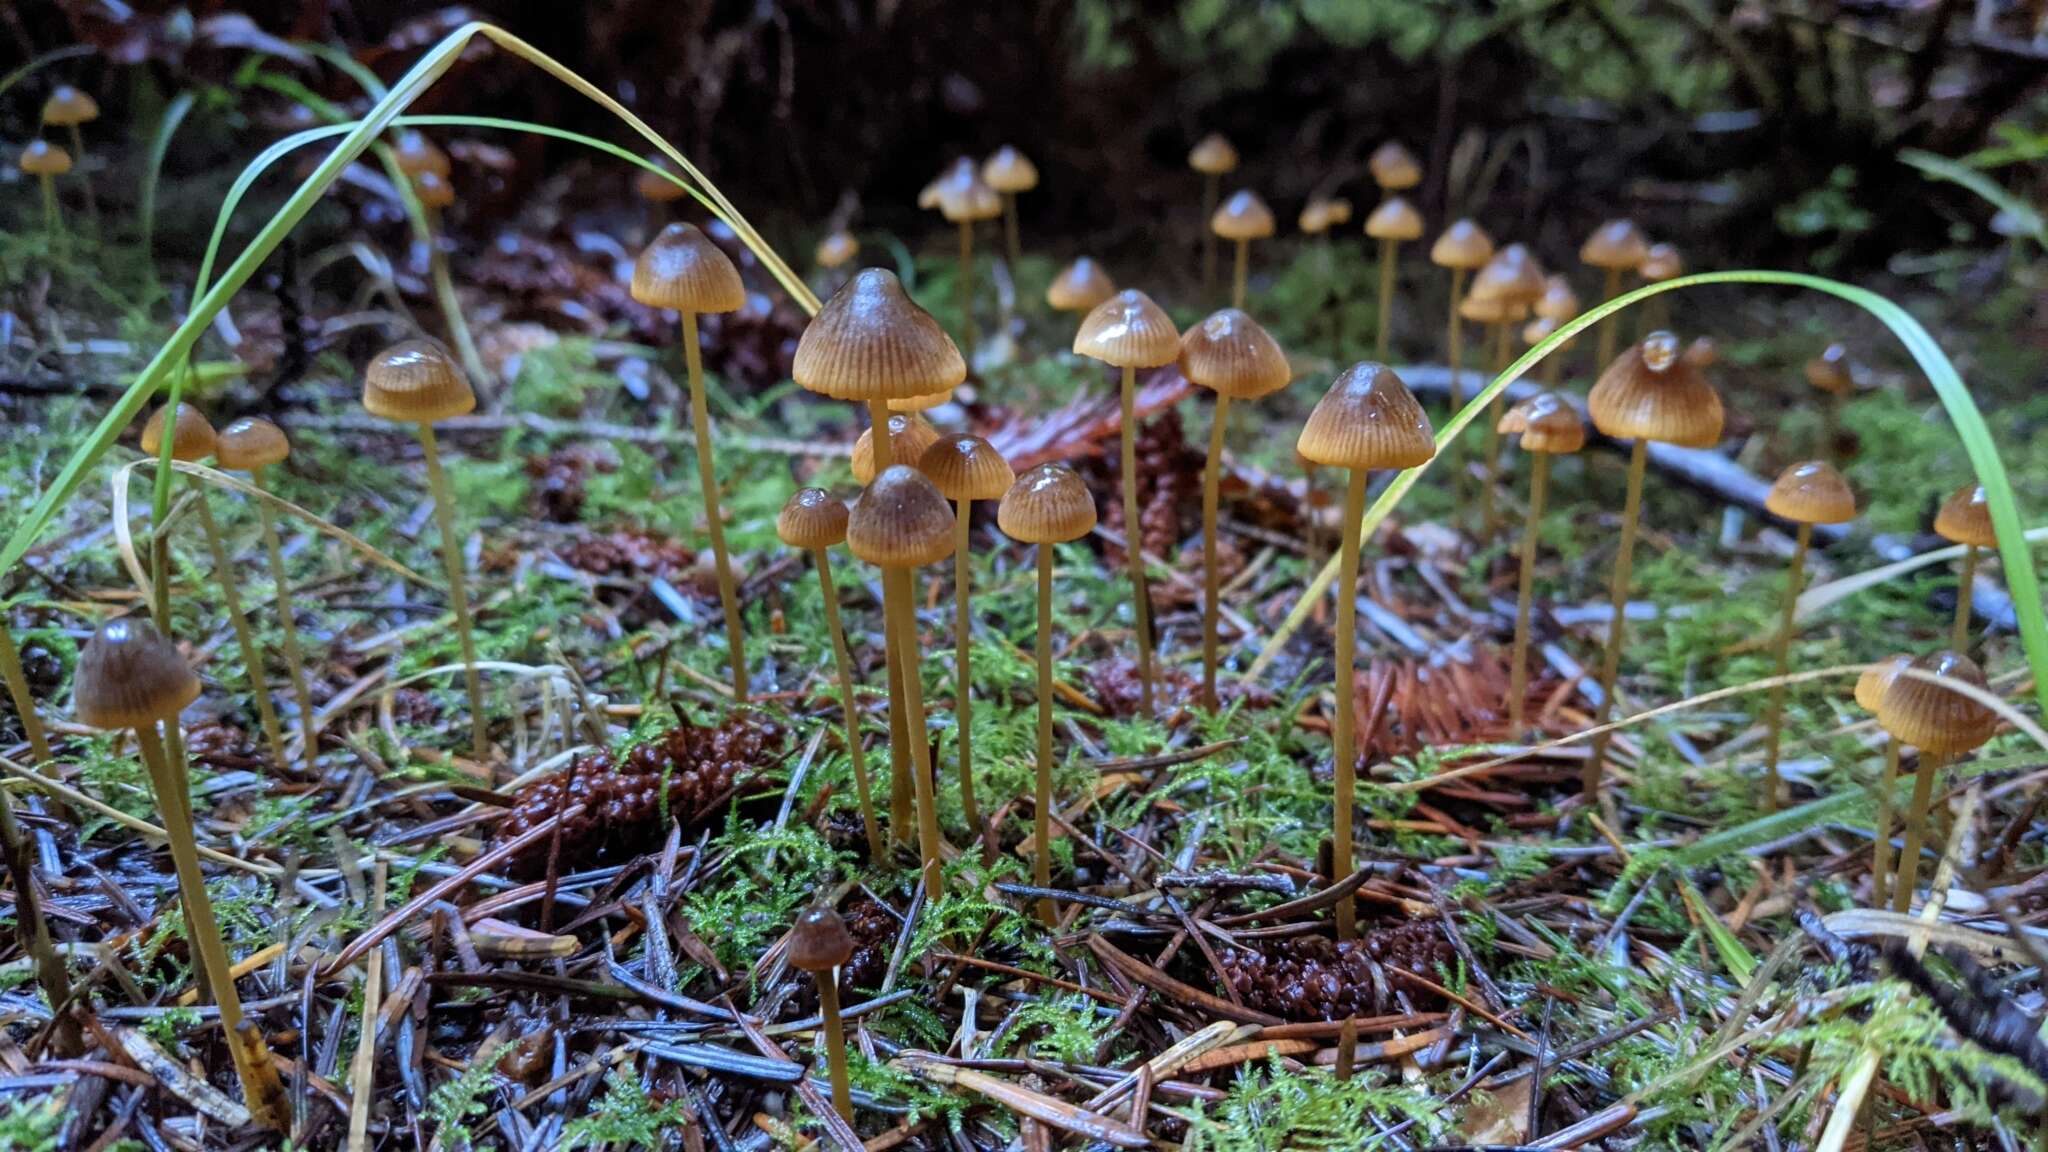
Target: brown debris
<point>1316,978</point>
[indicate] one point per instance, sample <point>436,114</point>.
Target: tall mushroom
<point>964,200</point>
<point>1557,305</point>
<point>1548,425</point>
<point>45,161</point>
<point>1870,688</point>
<point>819,944</point>
<point>1660,262</point>
<point>1965,518</point>
<point>1242,219</point>
<point>1804,494</point>
<point>1615,247</point>
<point>1510,284</point>
<point>69,108</point>
<point>1010,172</point>
<point>1213,157</point>
<point>1463,248</point>
<point>1943,724</point>
<point>1830,374</point>
<point>254,444</point>
<point>1393,223</point>
<point>1079,287</point>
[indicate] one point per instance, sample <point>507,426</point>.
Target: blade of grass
<point>45,60</point>
<point>153,169</point>
<point>2023,214</point>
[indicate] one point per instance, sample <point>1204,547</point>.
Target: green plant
<point>625,1117</point>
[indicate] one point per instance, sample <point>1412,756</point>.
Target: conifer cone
<point>1308,978</point>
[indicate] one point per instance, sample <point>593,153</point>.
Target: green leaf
<point>2025,218</point>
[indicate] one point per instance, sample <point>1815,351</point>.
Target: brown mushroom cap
<point>250,442</point>
<point>1702,353</point>
<point>819,941</point>
<point>1462,245</point>
<point>812,519</point>
<point>1615,244</point>
<point>900,521</point>
<point>1875,679</point>
<point>418,382</point>
<point>928,196</point>
<point>193,439</point>
<point>1512,276</point>
<point>920,403</point>
<point>129,676</point>
<point>963,197</point>
<point>1546,422</point>
<point>872,342</point>
<point>656,187</point>
<point>1558,302</point>
<point>1965,518</point>
<point>417,154</point>
<point>1394,219</point>
<point>837,249</point>
<point>1394,168</point>
<point>909,435</point>
<point>1009,170</point>
<point>1492,309</point>
<point>682,269</point>
<point>1315,217</point>
<point>1242,217</point>
<point>433,189</point>
<point>67,106</point>
<point>1128,331</point>
<point>1232,354</point>
<point>1212,155</point>
<point>1811,492</point>
<point>1661,262</point>
<point>1079,287</point>
<point>42,158</point>
<point>1368,419</point>
<point>1049,504</point>
<point>1933,717</point>
<point>1650,392</point>
<point>1543,328</point>
<point>963,466</point>
<point>1829,371</point>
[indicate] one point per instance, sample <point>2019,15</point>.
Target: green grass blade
<point>1955,172</point>
<point>41,62</point>
<point>153,168</point>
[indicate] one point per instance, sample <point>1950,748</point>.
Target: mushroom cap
<point>682,269</point>
<point>909,435</point>
<point>1965,517</point>
<point>417,154</point>
<point>928,196</point>
<point>1212,155</point>
<point>1394,219</point>
<point>1875,679</point>
<point>1462,245</point>
<point>67,106</point>
<point>1558,301</point>
<point>656,186</point>
<point>1242,217</point>
<point>1394,168</point>
<point>1492,309</point>
<point>900,521</point>
<point>920,403</point>
<point>1232,354</point>
<point>1615,244</point>
<point>1079,287</point>
<point>1933,717</point>
<point>1543,328</point>
<point>192,440</point>
<point>433,189</point>
<point>1702,353</point>
<point>1049,504</point>
<point>1008,170</point>
<point>129,676</point>
<point>1650,392</point>
<point>250,442</point>
<point>416,381</point>
<point>837,249</point>
<point>1811,492</point>
<point>963,197</point>
<point>1338,210</point>
<point>819,941</point>
<point>872,342</point>
<point>1128,331</point>
<point>811,519</point>
<point>1661,262</point>
<point>1512,276</point>
<point>963,466</point>
<point>1546,422</point>
<point>42,158</point>
<point>1368,419</point>
<point>1829,371</point>
<point>1315,217</point>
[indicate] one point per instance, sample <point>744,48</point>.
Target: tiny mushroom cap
<point>42,158</point>
<point>682,269</point>
<point>900,521</point>
<point>837,249</point>
<point>1875,679</point>
<point>1462,245</point>
<point>192,440</point>
<point>1212,155</point>
<point>1540,329</point>
<point>1546,422</point>
<point>1049,504</point>
<point>1079,287</point>
<point>1491,309</point>
<point>416,381</point>
<point>1829,371</point>
<point>1315,217</point>
<point>1128,331</point>
<point>1368,419</point>
<point>1811,493</point>
<point>1661,262</point>
<point>812,519</point>
<point>819,942</point>
<point>909,435</point>
<point>417,154</point>
<point>1651,392</point>
<point>1009,170</point>
<point>963,197</point>
<point>67,106</point>
<point>251,442</point>
<point>1512,276</point>
<point>1394,219</point>
<point>928,196</point>
<point>1232,354</point>
<point>129,676</point>
<point>1337,210</point>
<point>433,189</point>
<point>1615,244</point>
<point>1558,301</point>
<point>656,186</point>
<point>872,342</point>
<point>1242,217</point>
<point>1934,717</point>
<point>1702,352</point>
<point>963,466</point>
<point>1965,518</point>
<point>1394,168</point>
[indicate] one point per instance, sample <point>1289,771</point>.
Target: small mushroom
<point>1660,262</point>
<point>45,161</point>
<point>1558,305</point>
<point>1870,688</point>
<point>1615,247</point>
<point>1463,248</point>
<point>909,436</point>
<point>1393,223</point>
<point>1010,172</point>
<point>1804,494</point>
<point>1394,168</point>
<point>1242,219</point>
<point>1079,287</point>
<point>657,187</point>
<point>1513,283</point>
<point>69,108</point>
<point>1943,724</point>
<point>1830,374</point>
<point>1548,425</point>
<point>416,154</point>
<point>1213,157</point>
<point>819,943</point>
<point>1965,518</point>
<point>837,249</point>
<point>253,444</point>
<point>965,200</point>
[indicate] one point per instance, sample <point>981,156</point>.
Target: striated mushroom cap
<point>67,107</point>
<point>1546,422</point>
<point>1651,392</point>
<point>129,676</point>
<point>1232,354</point>
<point>811,519</point>
<point>418,382</point>
<point>1128,331</point>
<point>963,197</point>
<point>1965,518</point>
<point>1811,493</point>
<point>1660,262</point>
<point>1875,679</point>
<point>1830,372</point>
<point>434,190</point>
<point>656,187</point>
<point>819,941</point>
<point>1079,287</point>
<point>966,467</point>
<point>1933,717</point>
<point>1368,419</point>
<point>1558,302</point>
<point>872,342</point>
<point>417,154</point>
<point>192,440</point>
<point>1049,504</point>
<point>250,442</point>
<point>909,435</point>
<point>683,270</point>
<point>900,521</point>
<point>837,249</point>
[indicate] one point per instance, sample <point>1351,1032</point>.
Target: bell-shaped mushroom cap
<point>1462,245</point>
<point>1233,354</point>
<point>966,467</point>
<point>819,942</point>
<point>416,381</point>
<point>909,435</point>
<point>1934,717</point>
<point>1394,168</point>
<point>812,519</point>
<point>837,249</point>
<point>1049,504</point>
<point>1368,419</point>
<point>928,196</point>
<point>250,442</point>
<point>417,154</point>
<point>1702,353</point>
<point>1650,392</point>
<point>1337,210</point>
<point>1008,170</point>
<point>682,269</point>
<point>1811,492</point>
<point>129,676</point>
<point>1128,331</point>
<point>1558,301</point>
<point>1661,262</point>
<point>920,403</point>
<point>1615,244</point>
<point>963,197</point>
<point>1492,309</point>
<point>1079,287</point>
<point>1394,219</point>
<point>872,342</point>
<point>67,106</point>
<point>1242,217</point>
<point>193,440</point>
<point>1315,217</point>
<point>1212,155</point>
<point>433,189</point>
<point>1875,679</point>
<point>1965,517</point>
<point>656,186</point>
<point>1546,422</point>
<point>1829,371</point>
<point>900,521</point>
<point>1543,328</point>
<point>1512,276</point>
<point>42,158</point>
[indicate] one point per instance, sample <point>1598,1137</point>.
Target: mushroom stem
<point>92,204</point>
<point>1610,661</point>
<point>1613,289</point>
<point>1386,310</point>
<point>1015,248</point>
<point>835,1042</point>
<point>902,809</point>
<point>1518,670</point>
<point>1345,755</point>
<point>1134,535</point>
<point>252,655</point>
<point>707,479</point>
<point>1237,275</point>
<point>1966,580</point>
<point>849,709</point>
<point>903,622</point>
<point>1041,806</point>
<point>1916,831</point>
<point>1210,188</point>
<point>963,667</point>
<point>1211,483</point>
<point>53,215</point>
<point>1312,527</point>
<point>1501,360</point>
<point>967,290</point>
<point>458,590</point>
<point>1780,647</point>
<point>24,703</point>
<point>294,659</point>
<point>1881,844</point>
<point>33,931</point>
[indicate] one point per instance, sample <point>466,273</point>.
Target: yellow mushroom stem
<point>245,639</point>
<point>24,703</point>
<point>848,706</point>
<point>1881,842</point>
<point>1312,526</point>
<point>53,214</point>
<point>294,659</point>
<point>902,806</point>
<point>1041,805</point>
<point>92,204</point>
<point>1780,648</point>
<point>1210,189</point>
<point>1966,580</point>
<point>1237,275</point>
<point>963,668</point>
<point>1610,661</point>
<point>707,479</point>
<point>1212,473</point>
<point>1605,355</point>
<point>835,1043</point>
<point>1134,536</point>
<point>967,290</point>
<point>458,588</point>
<point>1518,670</point>
<point>903,622</point>
<point>1388,249</point>
<point>1916,831</point>
<point>1345,764</point>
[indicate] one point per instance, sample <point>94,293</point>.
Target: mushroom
<point>964,200</point>
<point>1805,494</point>
<point>1009,172</point>
<point>1047,505</point>
<point>1502,294</point>
<point>1393,223</point>
<point>1130,332</point>
<point>1464,247</point>
<point>1615,247</point>
<point>1660,262</point>
<point>837,249</point>
<point>1394,168</point>
<point>819,943</point>
<point>416,154</point>
<point>1319,216</point>
<point>1548,425</point>
<point>253,444</point>
<point>1943,724</point>
<point>1213,157</point>
<point>1242,219</point>
<point>1367,420</point>
<point>684,271</point>
<point>45,161</point>
<point>68,107</point>
<point>1554,308</point>
<point>909,436</point>
<point>1870,688</point>
<point>1965,518</point>
<point>1830,374</point>
<point>1079,287</point>
<point>657,188</point>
